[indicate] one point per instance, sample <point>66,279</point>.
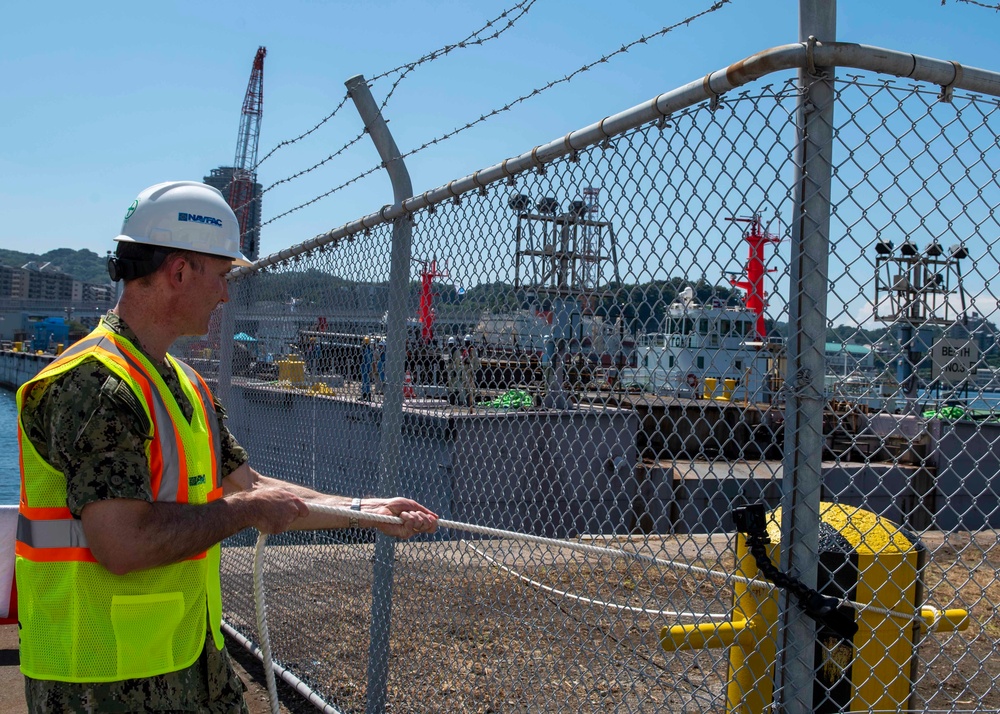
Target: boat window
<point>688,325</point>
<point>739,365</point>
<point>701,363</point>
<point>670,362</point>
<point>703,326</point>
<point>726,327</point>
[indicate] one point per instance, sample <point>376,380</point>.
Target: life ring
<point>692,381</point>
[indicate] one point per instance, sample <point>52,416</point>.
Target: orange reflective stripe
<point>211,421</point>
<point>141,377</point>
<point>55,513</point>
<point>77,348</point>
<point>175,491</point>
<point>23,498</point>
<point>53,555</point>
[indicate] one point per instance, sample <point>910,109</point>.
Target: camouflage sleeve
<point>233,455</point>
<point>96,435</point>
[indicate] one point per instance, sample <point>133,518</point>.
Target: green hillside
<point>85,265</point>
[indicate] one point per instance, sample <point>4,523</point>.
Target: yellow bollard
<point>864,557</point>
<point>751,637</point>
<point>711,383</point>
<point>292,370</point>
<point>728,387</point>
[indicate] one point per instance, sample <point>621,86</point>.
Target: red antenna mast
<point>427,315</point>
<point>241,192</point>
<point>757,238</point>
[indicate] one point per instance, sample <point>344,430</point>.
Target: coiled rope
<point>261,605</point>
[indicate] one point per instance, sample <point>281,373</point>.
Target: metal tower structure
<point>241,192</point>
<point>756,237</point>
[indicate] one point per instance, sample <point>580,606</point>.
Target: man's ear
<point>176,268</point>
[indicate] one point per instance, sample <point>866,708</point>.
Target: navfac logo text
<point>199,219</point>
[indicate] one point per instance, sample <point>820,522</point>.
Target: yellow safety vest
<point>79,622</point>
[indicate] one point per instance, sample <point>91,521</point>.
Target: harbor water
<point>9,471</point>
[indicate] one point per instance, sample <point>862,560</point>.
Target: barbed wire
<point>472,40</point>
<point>469,41</point>
<point>523,98</point>
<point>332,191</point>
<point>304,134</point>
<point>977,4</point>
<point>253,172</point>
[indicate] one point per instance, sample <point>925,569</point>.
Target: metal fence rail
<point>620,374</point>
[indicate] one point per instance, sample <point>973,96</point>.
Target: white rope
<point>261,606</point>
<point>540,540</point>
<point>265,638</point>
<point>590,601</point>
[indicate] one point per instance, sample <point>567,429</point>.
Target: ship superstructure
<point>701,343</point>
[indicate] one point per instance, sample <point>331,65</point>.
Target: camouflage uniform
<point>89,425</point>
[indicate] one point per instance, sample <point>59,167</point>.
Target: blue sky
<point>103,99</point>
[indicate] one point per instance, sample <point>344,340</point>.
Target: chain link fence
<point>603,344</point>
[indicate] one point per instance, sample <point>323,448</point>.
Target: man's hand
<point>245,482</point>
<point>416,519</point>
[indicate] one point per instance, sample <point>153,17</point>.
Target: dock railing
<point>867,165</point>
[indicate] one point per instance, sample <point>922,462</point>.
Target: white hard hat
<point>452,341</point>
<point>184,215</point>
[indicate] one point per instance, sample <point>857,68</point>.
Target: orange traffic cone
<point>408,392</point>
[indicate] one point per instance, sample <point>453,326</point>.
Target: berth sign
<point>954,360</point>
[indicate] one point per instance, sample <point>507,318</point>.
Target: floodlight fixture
<point>519,202</point>
<point>908,248</point>
<point>547,205</point>
<point>884,247</point>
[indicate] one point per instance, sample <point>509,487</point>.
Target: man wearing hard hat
<point>131,480</point>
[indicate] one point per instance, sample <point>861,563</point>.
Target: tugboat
<point>705,350</point>
<point>715,350</point>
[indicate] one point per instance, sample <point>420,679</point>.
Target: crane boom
<point>241,193</point>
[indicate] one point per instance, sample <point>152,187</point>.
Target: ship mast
<point>427,315</point>
<point>756,237</point>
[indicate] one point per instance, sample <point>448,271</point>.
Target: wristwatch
<point>355,506</point>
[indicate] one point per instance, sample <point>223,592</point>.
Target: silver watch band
<point>355,506</point>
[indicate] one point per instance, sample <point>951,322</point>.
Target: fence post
<point>392,405</point>
<point>227,328</point>
<point>795,670</point>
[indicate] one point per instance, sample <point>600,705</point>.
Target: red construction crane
<point>245,164</point>
<point>757,237</point>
